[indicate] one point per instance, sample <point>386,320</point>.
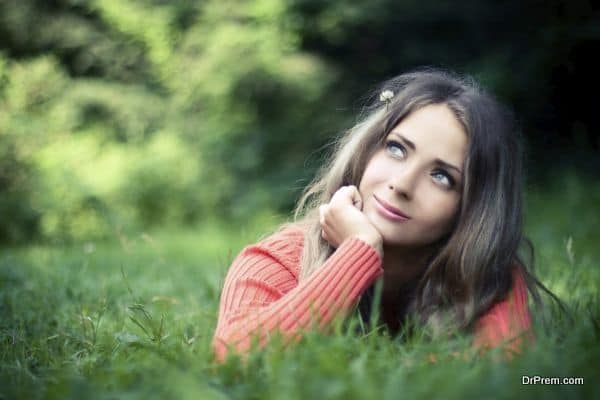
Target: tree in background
<point>119,115</point>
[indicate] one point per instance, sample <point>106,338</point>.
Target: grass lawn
<point>133,319</point>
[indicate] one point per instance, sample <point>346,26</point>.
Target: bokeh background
<point>143,143</point>
<point>122,116</point>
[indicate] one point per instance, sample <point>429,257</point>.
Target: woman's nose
<point>403,182</point>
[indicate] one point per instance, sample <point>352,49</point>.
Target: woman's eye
<point>443,178</point>
<point>395,148</point>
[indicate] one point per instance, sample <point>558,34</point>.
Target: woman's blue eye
<point>395,148</point>
<point>443,178</point>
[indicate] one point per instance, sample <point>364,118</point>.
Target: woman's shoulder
<point>515,301</point>
<point>509,318</point>
<point>284,246</point>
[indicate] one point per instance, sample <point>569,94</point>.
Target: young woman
<point>424,193</point>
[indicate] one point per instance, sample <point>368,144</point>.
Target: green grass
<point>133,319</point>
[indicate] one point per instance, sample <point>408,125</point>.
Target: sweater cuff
<point>353,246</point>
<point>360,245</point>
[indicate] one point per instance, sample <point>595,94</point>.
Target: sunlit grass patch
<point>134,319</point>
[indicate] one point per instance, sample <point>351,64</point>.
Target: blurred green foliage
<point>131,114</point>
<point>125,114</point>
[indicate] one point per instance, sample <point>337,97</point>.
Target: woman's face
<point>411,187</point>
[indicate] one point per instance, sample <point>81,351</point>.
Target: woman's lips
<point>389,211</point>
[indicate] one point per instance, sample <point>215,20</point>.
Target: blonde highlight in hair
<point>345,167</point>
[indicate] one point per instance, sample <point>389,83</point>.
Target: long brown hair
<point>472,267</point>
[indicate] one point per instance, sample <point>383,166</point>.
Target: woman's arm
<point>261,295</point>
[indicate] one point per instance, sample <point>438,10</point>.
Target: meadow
<point>131,130</point>
<point>133,317</point>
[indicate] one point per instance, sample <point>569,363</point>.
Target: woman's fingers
<point>342,216</point>
<point>356,197</point>
<point>347,195</point>
<point>342,196</point>
<point>322,210</point>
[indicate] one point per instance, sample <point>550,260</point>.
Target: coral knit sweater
<point>262,294</point>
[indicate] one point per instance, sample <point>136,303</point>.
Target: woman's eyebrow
<point>413,147</point>
<point>445,164</point>
<point>405,140</point>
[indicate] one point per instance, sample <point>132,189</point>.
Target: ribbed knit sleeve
<point>507,323</point>
<point>261,293</point>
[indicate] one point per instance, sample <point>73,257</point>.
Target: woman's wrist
<point>375,242</point>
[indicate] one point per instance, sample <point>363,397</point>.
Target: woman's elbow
<point>226,343</point>
<point>220,349</point>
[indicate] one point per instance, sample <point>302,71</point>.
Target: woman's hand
<point>342,218</point>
